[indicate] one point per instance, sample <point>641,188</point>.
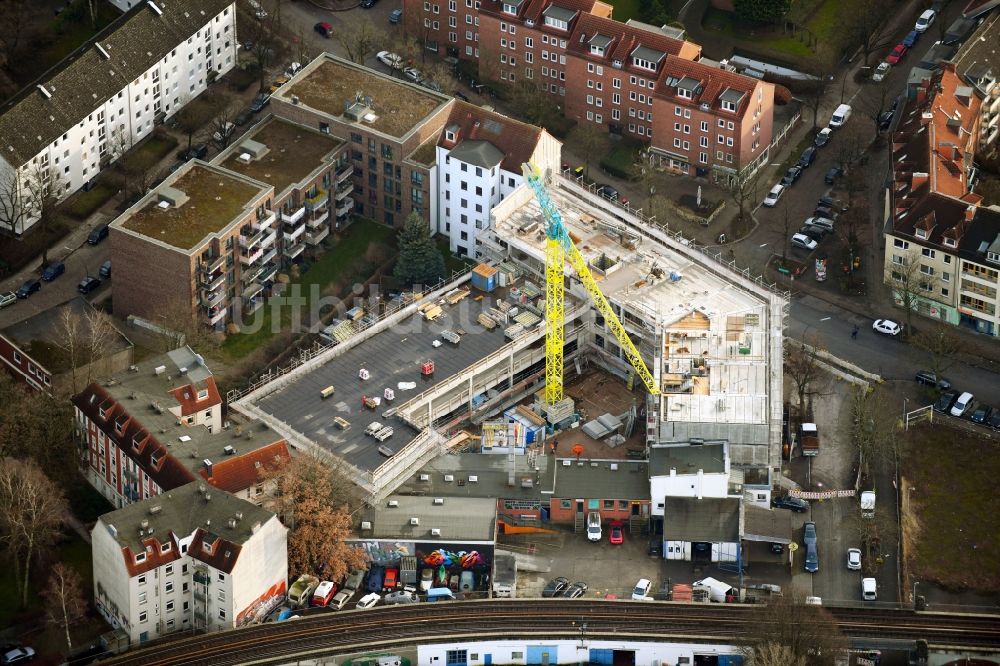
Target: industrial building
<point>388,397</point>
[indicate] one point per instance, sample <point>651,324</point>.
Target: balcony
<point>213,265</point>
<point>214,298</point>
<point>317,236</point>
<point>294,216</point>
<point>318,201</point>
<point>293,235</point>
<point>344,207</point>
<point>344,190</point>
<point>267,274</point>
<point>252,290</point>
<point>265,260</point>
<point>318,219</point>
<point>214,315</point>
<point>252,273</point>
<point>294,250</point>
<point>248,258</point>
<point>344,173</point>
<point>261,225</point>
<point>250,241</point>
<point>210,283</point>
<point>269,239</point>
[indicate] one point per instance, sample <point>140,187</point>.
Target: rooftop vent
<point>473,478</point>
<point>438,501</point>
<point>366,525</point>
<point>155,509</point>
<point>448,478</point>
<point>393,504</point>
<point>45,92</point>
<point>425,477</point>
<point>414,521</point>
<point>229,450</point>
<point>435,531</point>
<point>100,49</point>
<point>184,438</point>
<point>152,5</point>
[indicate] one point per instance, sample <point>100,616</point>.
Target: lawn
<point>452,263</point>
<point>621,160</point>
<point>83,204</point>
<point>153,150</point>
<point>344,261</point>
<point>625,10</point>
<point>765,37</point>
<point>953,522</point>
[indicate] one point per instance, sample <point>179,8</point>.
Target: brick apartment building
<point>193,559</point>
<point>633,79</point>
<point>110,92</point>
<point>159,425</point>
<point>941,242</point>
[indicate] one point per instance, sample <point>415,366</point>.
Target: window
<point>170,606</point>
<point>222,613</point>
<point>609,504</point>
<point>455,657</point>
<point>143,617</point>
<point>222,595</point>
<point>222,577</point>
<point>169,587</point>
<point>142,597</point>
<point>929,253</point>
<point>946,276</point>
<point>140,558</point>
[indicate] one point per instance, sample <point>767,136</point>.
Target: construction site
<point>585,336</point>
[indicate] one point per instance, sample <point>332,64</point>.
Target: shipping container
<point>484,277</point>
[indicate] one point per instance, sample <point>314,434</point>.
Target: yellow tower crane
<point>559,246</point>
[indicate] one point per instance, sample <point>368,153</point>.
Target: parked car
<point>18,655</point>
<point>391,579</point>
<point>105,270</point>
<point>607,192</point>
<point>413,74</point>
<point>925,21</point>
<point>826,212</point>
<point>461,95</point>
<point>832,174</point>
<point>854,559</point>
<point>886,327</point>
<point>340,599</point>
<point>641,590</point>
<point>368,600</point>
<point>809,539</point>
<point>324,29</point>
<point>804,242</point>
<point>432,85</point>
<point>881,71</point>
<point>594,531</point>
<point>896,55</point>
<point>395,16</point>
<point>796,504</point>
<point>368,4</point>
<point>375,579</point>
<point>945,401</point>
<point>830,202</point>
<point>911,38</point>
<point>981,414</point>
<point>53,270</point>
<point>242,118</point>
<point>885,121</point>
<point>426,579</point>
<point>577,589</point>
<point>87,285</point>
<point>994,421</point>
<point>791,176</point>
<point>616,534</point>
<point>823,137</point>
<point>869,589</point>
<point>6,298</point>
<point>198,151</point>
<point>962,405</point>
<point>555,586</point>
<point>97,234</point>
<point>401,597</point>
<point>28,288</point>
<point>815,233</point>
<point>259,102</point>
<point>928,378</point>
<point>771,200</point>
<point>224,132</point>
<point>808,157</point>
<point>389,59</point>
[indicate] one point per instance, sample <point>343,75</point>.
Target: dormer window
<point>597,50</point>
<point>202,394</point>
<point>510,9</point>
<point>644,64</point>
<point>729,100</point>
<point>165,547</point>
<point>921,233</point>
<point>558,24</point>
<point>140,557</point>
<point>950,242</point>
<point>728,106</point>
<point>449,136</point>
<point>686,94</point>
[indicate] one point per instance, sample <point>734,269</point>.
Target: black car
<point>830,202</point>
<point>827,212</point>
<point>884,121</point>
<point>198,151</point>
<point>461,95</point>
<point>259,102</point>
<point>242,118</point>
<point>981,414</point>
<point>832,174</point>
<point>791,175</point>
<point>815,233</point>
<point>945,401</point>
<point>555,586</point>
<point>99,233</point>
<point>28,288</point>
<point>577,589</point>
<point>53,270</point>
<point>608,192</point>
<point>928,378</point>
<point>368,4</point>
<point>994,421</point>
<point>808,157</point>
<point>105,270</point>
<point>796,504</point>
<point>88,284</point>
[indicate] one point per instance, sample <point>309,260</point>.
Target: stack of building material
<point>487,321</point>
<point>514,331</point>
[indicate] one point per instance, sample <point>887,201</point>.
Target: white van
<point>869,589</point>
<point>840,116</point>
<point>594,526</point>
<point>258,11</point>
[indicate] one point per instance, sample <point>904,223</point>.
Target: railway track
<point>478,620</point>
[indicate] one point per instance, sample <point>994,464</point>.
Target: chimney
<point>917,179</point>
<point>970,212</point>
<point>673,471</point>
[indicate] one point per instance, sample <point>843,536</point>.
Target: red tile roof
<point>187,397</point>
<point>221,555</point>
<point>516,140</point>
<point>134,441</point>
<point>240,472</point>
<point>154,555</point>
<point>714,82</point>
<point>626,39</point>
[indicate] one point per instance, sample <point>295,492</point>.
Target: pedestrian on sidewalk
<point>854,333</point>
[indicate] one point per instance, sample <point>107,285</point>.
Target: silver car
<point>401,597</point>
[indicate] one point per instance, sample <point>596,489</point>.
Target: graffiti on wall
<point>466,559</point>
<point>387,552</point>
<point>262,605</point>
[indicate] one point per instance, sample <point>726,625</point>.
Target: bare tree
<point>440,74</point>
<point>223,125</point>
<point>265,43</point>
<point>69,338</point>
<point>786,227</point>
<point>586,138</point>
<point>41,194</point>
<point>645,174</point>
<point>361,41</point>
<point>866,25</point>
<point>194,117</point>
<point>852,142</point>
<point>823,68</point>
<point>910,281</point>
<point>803,367</point>
<point>36,426</point>
<point>181,326</point>
<point>32,509</point>
<point>803,633</point>
<point>873,101</point>
<point>743,190</point>
<point>15,208</point>
<point>84,339</point>
<point>941,344</point>
<point>16,15</point>
<point>773,654</point>
<point>120,142</point>
<point>66,603</point>
<point>873,429</point>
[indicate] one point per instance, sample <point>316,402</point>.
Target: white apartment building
<point>194,558</point>
<point>479,157</point>
<point>110,93</point>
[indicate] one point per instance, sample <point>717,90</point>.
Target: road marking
<point>762,245</point>
<point>825,319</point>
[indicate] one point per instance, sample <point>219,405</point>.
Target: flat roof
<point>490,472</point>
<point>391,356</point>
<point>709,519</point>
<point>601,479</point>
<point>292,153</point>
<point>710,458</point>
<point>329,84</point>
<point>212,200</point>
<point>469,519</point>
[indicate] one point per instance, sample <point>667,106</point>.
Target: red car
<point>391,579</point>
<point>616,535</point>
<point>896,55</point>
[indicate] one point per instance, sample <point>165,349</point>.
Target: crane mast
<point>558,247</point>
